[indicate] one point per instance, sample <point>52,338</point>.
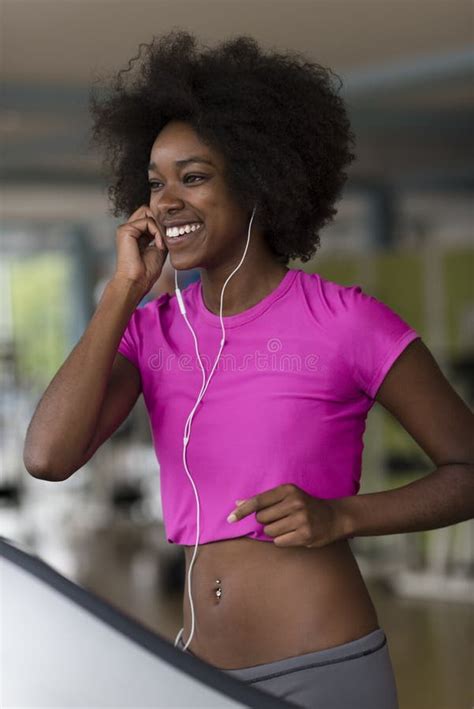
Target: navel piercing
<point>218,590</point>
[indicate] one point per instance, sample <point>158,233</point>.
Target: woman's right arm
<point>61,432</point>
<point>96,387</point>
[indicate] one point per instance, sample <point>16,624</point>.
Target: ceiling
<point>406,67</point>
<point>69,39</point>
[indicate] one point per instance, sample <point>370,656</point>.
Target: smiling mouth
<point>172,240</point>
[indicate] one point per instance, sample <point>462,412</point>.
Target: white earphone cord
<point>187,428</point>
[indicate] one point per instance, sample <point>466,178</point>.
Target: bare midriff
<point>255,602</point>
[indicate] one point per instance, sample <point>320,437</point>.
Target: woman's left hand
<point>293,517</point>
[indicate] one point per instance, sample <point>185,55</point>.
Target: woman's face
<point>195,192</point>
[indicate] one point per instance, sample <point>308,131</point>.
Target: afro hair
<point>274,117</point>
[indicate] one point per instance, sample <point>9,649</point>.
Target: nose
<point>167,204</point>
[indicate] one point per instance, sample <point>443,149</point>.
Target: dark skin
<point>316,574</point>
<point>198,192</point>
<point>415,390</point>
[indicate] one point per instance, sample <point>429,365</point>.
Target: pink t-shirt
<point>287,402</point>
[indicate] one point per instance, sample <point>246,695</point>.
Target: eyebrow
<point>180,163</point>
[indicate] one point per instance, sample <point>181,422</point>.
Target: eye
<point>156,182</point>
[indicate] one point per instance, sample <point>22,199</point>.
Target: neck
<point>252,282</point>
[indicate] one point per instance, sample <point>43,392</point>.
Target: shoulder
<point>335,301</point>
<point>367,332</point>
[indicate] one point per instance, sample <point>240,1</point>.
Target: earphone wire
<point>187,428</point>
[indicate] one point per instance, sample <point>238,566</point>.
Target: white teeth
<point>185,229</point>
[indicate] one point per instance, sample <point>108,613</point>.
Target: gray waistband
<point>365,645</point>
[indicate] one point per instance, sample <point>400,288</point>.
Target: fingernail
<point>231,518</point>
<point>239,502</point>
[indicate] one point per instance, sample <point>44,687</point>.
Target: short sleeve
<point>128,344</point>
<point>374,337</point>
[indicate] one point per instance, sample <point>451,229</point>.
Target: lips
<point>176,240</point>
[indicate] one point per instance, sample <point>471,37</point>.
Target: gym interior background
<point>403,232</point>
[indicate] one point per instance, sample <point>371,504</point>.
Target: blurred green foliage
<point>41,309</point>
<point>458,274</point>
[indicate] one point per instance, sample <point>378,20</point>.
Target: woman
<point>248,150</point>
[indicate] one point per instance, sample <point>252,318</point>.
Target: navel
<point>218,589</point>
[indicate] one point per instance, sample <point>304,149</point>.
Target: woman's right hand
<point>141,250</point>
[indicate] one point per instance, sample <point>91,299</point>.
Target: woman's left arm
<point>417,393</point>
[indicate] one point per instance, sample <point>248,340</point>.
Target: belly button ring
<point>218,590</point>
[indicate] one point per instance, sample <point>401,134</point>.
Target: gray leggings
<point>355,675</point>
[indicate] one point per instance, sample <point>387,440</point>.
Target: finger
<point>142,209</point>
<point>283,527</point>
<point>244,509</point>
<point>159,240</point>
<point>161,243</point>
<point>258,502</point>
<point>147,224</point>
<point>142,223</point>
<point>290,539</point>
